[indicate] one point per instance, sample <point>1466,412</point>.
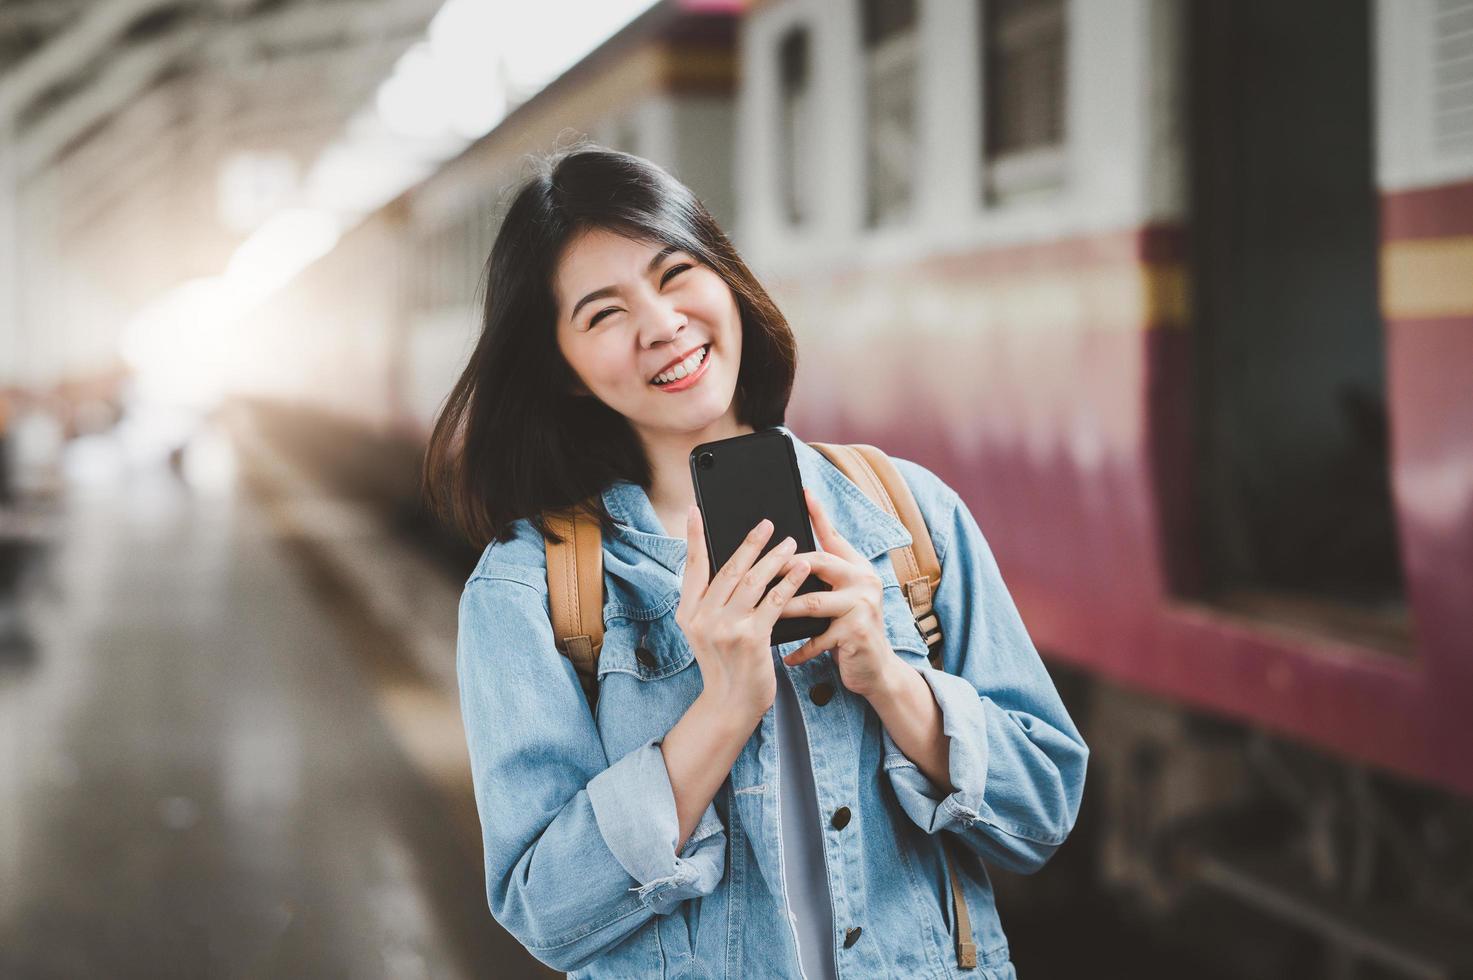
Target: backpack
<point>575,596</point>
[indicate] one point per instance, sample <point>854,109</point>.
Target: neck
<point>671,491</point>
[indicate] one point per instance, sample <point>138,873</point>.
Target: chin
<point>696,416</point>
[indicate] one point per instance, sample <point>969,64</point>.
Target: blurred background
<point>1178,294</point>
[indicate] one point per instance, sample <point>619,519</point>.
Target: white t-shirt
<point>802,835</point>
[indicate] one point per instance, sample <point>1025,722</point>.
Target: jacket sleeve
<point>580,853</point>
<point>1017,761</point>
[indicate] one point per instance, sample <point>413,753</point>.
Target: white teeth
<point>682,369</point>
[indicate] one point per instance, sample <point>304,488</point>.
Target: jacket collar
<point>863,523</point>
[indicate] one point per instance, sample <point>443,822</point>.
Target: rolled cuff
<point>634,806</point>
<point>964,722</point>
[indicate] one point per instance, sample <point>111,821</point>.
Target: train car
<point>1178,296</point>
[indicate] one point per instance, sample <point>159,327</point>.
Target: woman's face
<point>629,311</point>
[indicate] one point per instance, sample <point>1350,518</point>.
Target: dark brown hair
<point>512,440</point>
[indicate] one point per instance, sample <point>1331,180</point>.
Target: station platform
<point>228,746</point>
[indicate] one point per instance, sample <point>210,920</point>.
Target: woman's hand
<point>856,607</point>
<point>728,622</point>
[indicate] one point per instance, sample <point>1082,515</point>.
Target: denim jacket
<point>576,808</point>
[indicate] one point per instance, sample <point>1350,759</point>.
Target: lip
<point>690,379</point>
<point>675,362</point>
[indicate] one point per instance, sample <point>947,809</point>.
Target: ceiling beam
<point>369,34</point>
<point>97,175</point>
<point>122,79</point>
<point>82,44</point>
<point>43,15</point>
<point>220,113</point>
<point>312,24</point>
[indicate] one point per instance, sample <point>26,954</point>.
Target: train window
<point>1292,431</point>
<point>1023,57</point>
<point>891,49</point>
<point>1453,77</point>
<point>795,141</point>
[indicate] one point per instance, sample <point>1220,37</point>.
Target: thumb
<point>697,565</point>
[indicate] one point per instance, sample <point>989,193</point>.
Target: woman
<point>725,808</point>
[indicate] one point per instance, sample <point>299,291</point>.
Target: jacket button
<point>841,818</point>
<point>851,936</point>
<point>643,655</point>
<point>821,692</point>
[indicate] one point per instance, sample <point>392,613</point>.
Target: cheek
<point>699,286</point>
<point>578,352</point>
<point>600,359</point>
<point>719,303</point>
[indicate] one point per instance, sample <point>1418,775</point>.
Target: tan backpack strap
<point>916,566</point>
<point>575,591</point>
<point>919,572</point>
<point>966,950</point>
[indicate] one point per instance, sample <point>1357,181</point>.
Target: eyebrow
<point>611,290</point>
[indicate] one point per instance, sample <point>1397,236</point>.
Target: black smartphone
<point>738,482</point>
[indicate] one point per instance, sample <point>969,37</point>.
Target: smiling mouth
<point>668,379</point>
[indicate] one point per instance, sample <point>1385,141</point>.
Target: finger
<point>749,590</point>
<point>772,603</point>
<point>736,566</point>
<point>834,569</point>
<point>820,605</point>
<point>829,537</point>
<point>697,565</point>
<point>826,640</point>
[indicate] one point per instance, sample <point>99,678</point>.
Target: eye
<point>670,273</point>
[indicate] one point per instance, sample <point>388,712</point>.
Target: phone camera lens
<point>706,460</point>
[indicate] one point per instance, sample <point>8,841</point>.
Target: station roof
<point>284,73</point>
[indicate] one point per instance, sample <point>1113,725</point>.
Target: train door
<point>1296,516</point>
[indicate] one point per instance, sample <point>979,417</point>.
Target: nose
<point>661,323</point>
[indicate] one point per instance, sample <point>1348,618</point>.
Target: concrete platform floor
<point>213,756</point>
